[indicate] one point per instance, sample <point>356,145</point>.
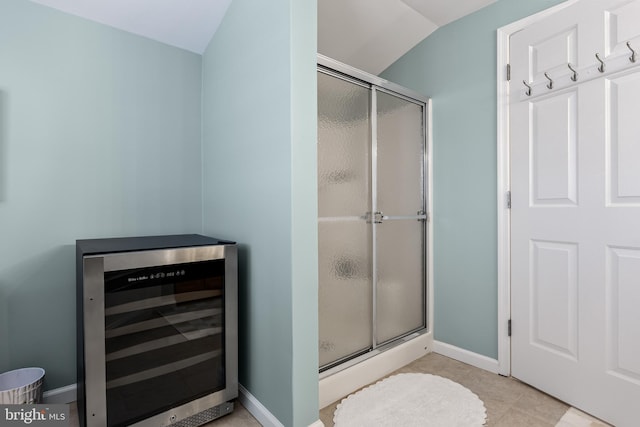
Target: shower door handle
<point>374,217</point>
<point>379,217</point>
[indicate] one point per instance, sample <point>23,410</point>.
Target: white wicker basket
<point>21,386</point>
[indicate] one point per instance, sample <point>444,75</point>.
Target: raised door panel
<point>553,289</point>
<point>623,300</point>
<point>621,26</point>
<point>623,140</point>
<point>553,148</point>
<point>553,53</point>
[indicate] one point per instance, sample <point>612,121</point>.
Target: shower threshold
<point>356,373</point>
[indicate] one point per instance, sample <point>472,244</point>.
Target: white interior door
<point>575,219</point>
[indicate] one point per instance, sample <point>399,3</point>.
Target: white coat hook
<point>574,77</point>
<point>601,67</point>
<point>632,58</point>
<point>528,92</point>
<point>550,84</point>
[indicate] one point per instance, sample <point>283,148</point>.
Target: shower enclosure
<point>372,214</point>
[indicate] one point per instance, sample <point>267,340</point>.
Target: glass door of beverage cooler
<point>164,337</point>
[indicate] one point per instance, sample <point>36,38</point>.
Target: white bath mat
<point>411,400</point>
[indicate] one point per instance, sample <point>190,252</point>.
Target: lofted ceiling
<point>371,35</point>
<point>366,34</point>
<point>186,24</point>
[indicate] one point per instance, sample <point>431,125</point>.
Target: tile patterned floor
<point>509,402</point>
<point>575,418</point>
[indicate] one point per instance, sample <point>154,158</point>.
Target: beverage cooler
<point>156,330</point>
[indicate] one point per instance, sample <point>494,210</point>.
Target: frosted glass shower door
<point>400,231</point>
<point>371,216</point>
<point>345,237</point>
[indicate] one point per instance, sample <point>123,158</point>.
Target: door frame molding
<point>504,180</point>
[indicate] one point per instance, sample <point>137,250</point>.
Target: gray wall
<point>99,136</point>
<point>102,134</point>
<point>456,67</point>
<point>259,188</point>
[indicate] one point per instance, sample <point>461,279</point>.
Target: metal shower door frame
<point>377,85</point>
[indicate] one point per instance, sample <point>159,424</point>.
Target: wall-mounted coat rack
<point>557,80</point>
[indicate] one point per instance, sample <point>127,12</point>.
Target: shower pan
<point>373,223</point>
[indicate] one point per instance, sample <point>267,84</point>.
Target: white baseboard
<point>69,394</point>
<point>466,356</point>
<point>342,383</point>
<point>260,412</point>
<point>257,409</point>
<point>66,394</point>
